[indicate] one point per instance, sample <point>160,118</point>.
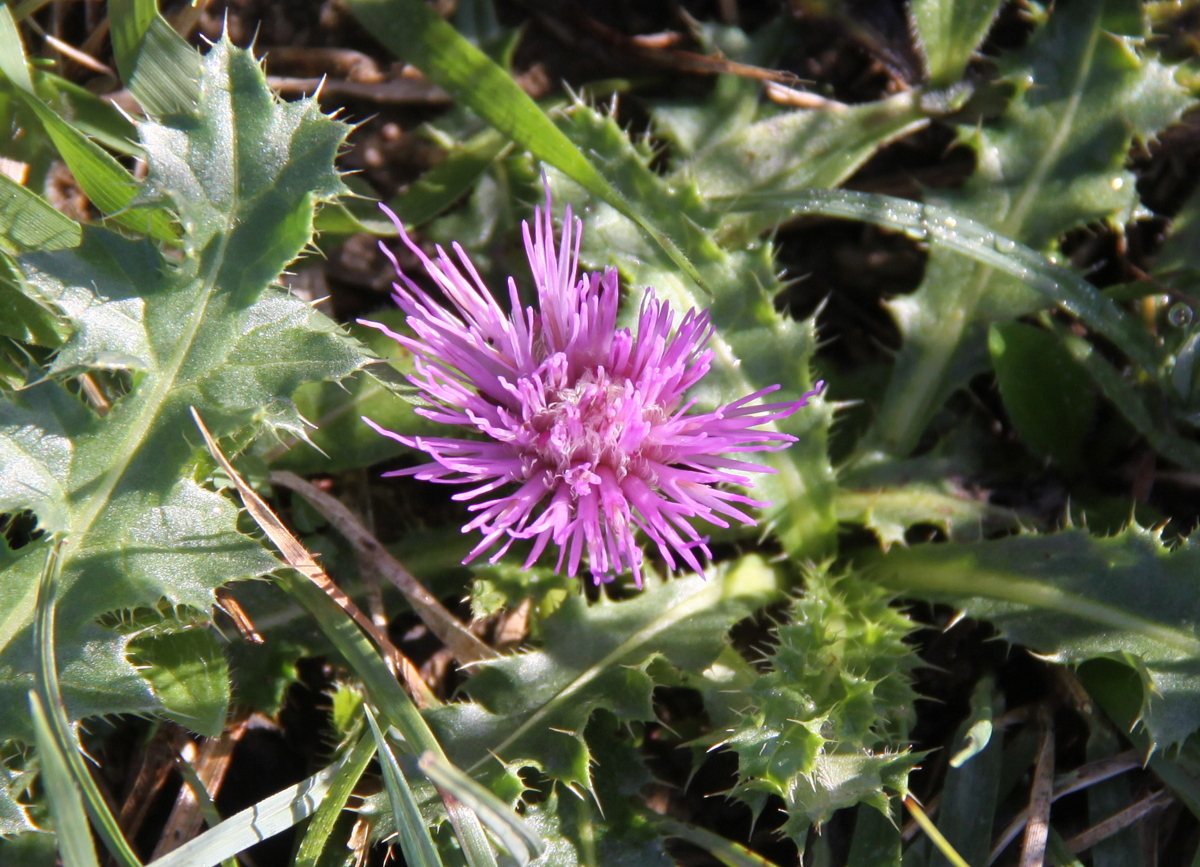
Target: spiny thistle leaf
<point>243,172</point>
<point>755,346</point>
<point>1054,160</point>
<point>825,727</point>
<point>1073,597</point>
<point>531,709</point>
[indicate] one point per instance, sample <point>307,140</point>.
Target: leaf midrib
<point>22,611</point>
<point>676,614</point>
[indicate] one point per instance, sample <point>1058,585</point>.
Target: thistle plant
<point>575,411</point>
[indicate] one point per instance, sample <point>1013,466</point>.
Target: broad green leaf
<point>419,36</point>
<point>755,347</point>
<point>825,727</point>
<point>66,804</point>
<point>28,222</point>
<point>244,173</point>
<point>804,149</point>
<point>532,708</point>
<point>1074,597</point>
<point>948,32</point>
<point>1046,393</point>
<point>691,126</point>
<point>1052,161</point>
<point>890,511</point>
<point>189,676</point>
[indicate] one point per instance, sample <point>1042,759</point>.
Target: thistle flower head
<point>586,433</point>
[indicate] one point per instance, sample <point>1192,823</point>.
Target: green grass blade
<point>726,851</point>
<point>388,697</point>
<point>156,63</point>
<point>510,829</point>
<point>418,35</point>
<point>415,841</point>
<point>56,715</point>
<point>207,808</point>
<point>316,837</point>
<point>28,222</point>
<point>104,180</point>
<point>66,805</point>
<point>267,818</point>
<point>976,241</point>
<point>128,21</point>
<point>96,118</point>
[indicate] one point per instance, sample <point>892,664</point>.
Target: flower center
<point>595,421</point>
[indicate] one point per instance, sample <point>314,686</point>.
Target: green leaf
<point>1074,597</point>
<point>102,178</point>
<point>96,118</point>
<point>1046,393</point>
<point>66,804</point>
<point>388,697</point>
<point>17,775</point>
<point>26,318</point>
<point>265,819</point>
<point>244,173</point>
<point>517,838</point>
<point>797,150</point>
<point>28,222</point>
<point>157,65</point>
<point>825,727</point>
<point>971,790</point>
<point>532,708</point>
<point>755,347</point>
<point>340,440</point>
<point>189,676</point>
<point>948,32</point>
<point>876,841</point>
<point>316,836</point>
<point>128,21</point>
<point>1052,161</point>
<point>418,35</point>
<point>890,511</point>
<point>415,842</point>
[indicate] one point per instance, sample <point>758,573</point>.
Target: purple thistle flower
<point>588,434</point>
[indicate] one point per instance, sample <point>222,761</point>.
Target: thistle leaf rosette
<point>243,172</point>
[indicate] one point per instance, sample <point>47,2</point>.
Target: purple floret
<point>588,434</point>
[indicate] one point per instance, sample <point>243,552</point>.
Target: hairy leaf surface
<point>243,173</point>
<point>1073,597</point>
<point>532,708</point>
